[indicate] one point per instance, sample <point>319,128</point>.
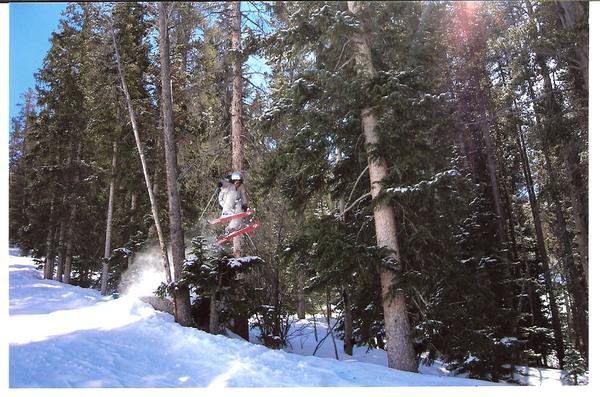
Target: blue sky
<point>31,25</point>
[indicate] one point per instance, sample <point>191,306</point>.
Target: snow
<point>63,336</point>
<point>437,178</point>
<point>239,262</point>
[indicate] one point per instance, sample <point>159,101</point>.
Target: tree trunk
<point>573,277</point>
<point>553,109</point>
<point>63,228</point>
<point>572,273</point>
<point>328,318</point>
<point>490,158</point>
<point>213,322</point>
<point>301,297</point>
<point>49,263</point>
<point>571,160</point>
<point>237,147</point>
<point>401,354</point>
<point>73,212</point>
<point>541,246</point>
<point>132,208</point>
<point>348,328</point>
<point>183,311</point>
<point>573,13</point>
<point>153,205</point>
<point>69,248</point>
<point>61,251</point>
<point>109,218</point>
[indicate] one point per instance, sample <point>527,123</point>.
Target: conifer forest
<point>419,170</point>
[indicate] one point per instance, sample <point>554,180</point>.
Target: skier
<point>233,199</point>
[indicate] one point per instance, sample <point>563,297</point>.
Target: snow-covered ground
<point>65,336</point>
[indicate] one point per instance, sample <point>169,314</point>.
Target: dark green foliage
<point>211,271</point>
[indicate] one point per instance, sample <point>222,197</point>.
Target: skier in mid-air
<point>233,199</point>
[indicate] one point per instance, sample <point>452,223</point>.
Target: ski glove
<point>244,207</point>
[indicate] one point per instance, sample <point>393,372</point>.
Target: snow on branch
<point>245,260</point>
<point>419,187</point>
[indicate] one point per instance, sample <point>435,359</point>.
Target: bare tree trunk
<point>571,14</point>
<point>63,228</point>
<point>348,328</point>
<point>73,212</point>
<point>183,311</point>
<point>49,264</point>
<point>401,353</point>
<point>492,168</point>
<point>574,284</point>
<point>570,159</point>
<point>573,277</point>
<point>541,246</point>
<point>328,318</point>
<point>61,250</point>
<point>553,109</point>
<point>69,247</point>
<point>163,248</point>
<point>237,147</point>
<point>132,208</point>
<point>213,325</point>
<point>109,218</point>
<point>301,297</point>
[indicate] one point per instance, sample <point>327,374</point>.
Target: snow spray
<point>144,274</point>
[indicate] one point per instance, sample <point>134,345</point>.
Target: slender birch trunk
<point>401,353</point>
<point>153,205</point>
<point>183,310</point>
<point>109,218</point>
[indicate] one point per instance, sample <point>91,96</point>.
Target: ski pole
<point>209,201</point>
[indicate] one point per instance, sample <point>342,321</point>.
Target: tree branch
<point>353,204</point>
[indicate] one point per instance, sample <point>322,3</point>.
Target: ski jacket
<point>232,199</point>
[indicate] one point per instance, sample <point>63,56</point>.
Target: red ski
<point>254,225</point>
<point>227,218</point>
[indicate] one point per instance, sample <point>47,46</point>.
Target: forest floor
<point>63,336</point>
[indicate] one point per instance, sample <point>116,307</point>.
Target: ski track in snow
<point>65,336</point>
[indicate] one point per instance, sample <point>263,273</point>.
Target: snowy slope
<point>65,336</point>
<point>302,341</point>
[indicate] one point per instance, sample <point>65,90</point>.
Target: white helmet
<point>236,176</point>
